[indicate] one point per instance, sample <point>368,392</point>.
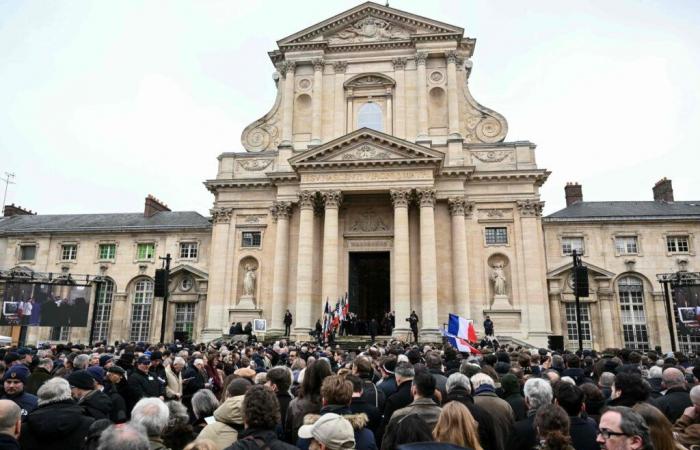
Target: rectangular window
<point>145,252</point>
<point>572,328</point>
<point>251,239</point>
<point>184,318</point>
<point>103,295</point>
<point>141,311</point>
<point>69,252</point>
<point>677,244</point>
<point>188,250</point>
<point>626,245</point>
<point>569,244</point>
<point>496,235</point>
<point>634,321</point>
<point>27,252</point>
<point>108,251</point>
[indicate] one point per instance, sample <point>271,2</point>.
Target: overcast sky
<point>104,102</point>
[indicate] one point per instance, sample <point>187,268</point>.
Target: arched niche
<point>248,282</point>
<point>499,271</point>
<point>302,118</point>
<point>437,111</point>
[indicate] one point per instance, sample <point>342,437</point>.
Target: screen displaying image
<point>687,299</point>
<point>50,305</point>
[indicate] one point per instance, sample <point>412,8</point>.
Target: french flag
<point>461,328</point>
<point>462,345</point>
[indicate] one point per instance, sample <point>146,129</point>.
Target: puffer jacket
<point>58,426</point>
<point>364,438</point>
<point>229,422</point>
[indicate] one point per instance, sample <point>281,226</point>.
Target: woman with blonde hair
<point>457,426</point>
<point>660,428</point>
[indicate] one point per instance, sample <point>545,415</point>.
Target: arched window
<point>633,317</point>
<point>370,115</point>
<point>103,295</point>
<point>141,310</point>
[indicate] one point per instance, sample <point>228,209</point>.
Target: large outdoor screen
<point>687,299</point>
<point>48,305</point>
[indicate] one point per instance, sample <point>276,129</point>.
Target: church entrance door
<point>369,287</point>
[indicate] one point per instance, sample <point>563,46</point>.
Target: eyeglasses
<point>607,433</point>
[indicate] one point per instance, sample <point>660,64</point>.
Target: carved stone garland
<point>340,66</point>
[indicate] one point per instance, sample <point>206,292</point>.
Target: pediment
<point>367,147</point>
<point>186,268</point>
<point>369,23</point>
<point>593,270</point>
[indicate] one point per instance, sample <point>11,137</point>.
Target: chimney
<point>573,192</point>
<point>153,206</point>
<point>12,210</point>
<point>663,190</point>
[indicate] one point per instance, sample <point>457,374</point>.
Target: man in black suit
<point>287,322</point>
<point>413,322</point>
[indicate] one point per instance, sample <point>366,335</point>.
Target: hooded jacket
<point>364,438</point>
<point>229,422</point>
<point>59,425</point>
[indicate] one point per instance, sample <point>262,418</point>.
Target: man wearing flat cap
<point>117,390</point>
<point>143,384</point>
<point>13,384</point>
<point>95,403</point>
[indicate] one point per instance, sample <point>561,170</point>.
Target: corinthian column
<point>452,100</point>
<point>422,95</point>
<point>329,289</point>
<point>460,277</point>
<point>280,273</point>
<point>428,261</point>
<point>401,277</point>
<point>305,262</point>
<point>316,102</point>
<point>287,71</point>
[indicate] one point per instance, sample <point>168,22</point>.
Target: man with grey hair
<point>538,393</point>
<point>152,413</point>
<point>80,362</point>
<point>605,382</point>
<point>687,428</point>
<point>124,437</point>
<point>459,390</point>
<point>404,373</point>
<point>485,397</point>
<point>57,423</point>
<point>173,373</point>
<point>676,398</point>
<point>10,424</point>
<point>621,428</point>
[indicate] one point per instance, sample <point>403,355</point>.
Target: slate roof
<point>634,210</point>
<point>119,222</point>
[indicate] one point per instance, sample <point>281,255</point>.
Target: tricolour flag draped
<point>460,332</point>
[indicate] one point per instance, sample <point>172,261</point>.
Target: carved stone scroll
<point>221,215</point>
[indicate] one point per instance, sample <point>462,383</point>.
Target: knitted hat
<point>19,372</point>
<point>104,359</point>
<point>97,372</point>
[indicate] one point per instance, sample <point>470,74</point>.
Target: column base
<point>430,335</point>
<point>286,144</point>
<point>301,334</point>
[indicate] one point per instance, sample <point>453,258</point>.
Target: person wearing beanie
<point>14,381</point>
<point>116,388</point>
<point>106,361</point>
<point>95,403</point>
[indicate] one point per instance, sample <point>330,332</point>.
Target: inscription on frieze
<point>366,176</point>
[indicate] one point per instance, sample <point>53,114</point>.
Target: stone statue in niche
<point>499,279</point>
<point>249,280</point>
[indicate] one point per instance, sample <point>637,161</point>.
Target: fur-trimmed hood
<point>358,421</point>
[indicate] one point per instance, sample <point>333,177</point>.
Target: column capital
<point>221,215</point>
<point>400,197</point>
<point>399,63</point>
<point>340,66</point>
<point>307,199</point>
<point>530,208</point>
<point>421,57</point>
<point>459,206</point>
<point>451,56</point>
<point>318,64</point>
<point>332,199</point>
<point>281,210</point>
<point>287,67</point>
<point>426,197</point>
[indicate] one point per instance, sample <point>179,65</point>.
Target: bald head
<point>10,418</point>
<point>695,396</point>
<point>673,377</point>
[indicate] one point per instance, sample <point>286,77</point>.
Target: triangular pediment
<point>367,23</point>
<point>367,147</point>
<point>186,268</point>
<point>593,270</point>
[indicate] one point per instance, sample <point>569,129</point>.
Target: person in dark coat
<point>39,376</point>
<point>459,390</point>
<point>143,384</point>
<point>115,387</point>
<point>413,322</point>
<point>388,383</point>
<point>574,370</point>
<point>583,430</point>
<point>260,417</point>
<point>287,322</point>
<point>628,390</point>
<point>488,326</point>
<point>538,393</point>
<point>360,406</point>
<point>279,379</point>
<point>676,398</point>
<point>14,380</point>
<point>362,368</point>
<point>11,421</point>
<point>511,394</point>
<point>94,402</point>
<point>57,423</point>
<point>401,398</point>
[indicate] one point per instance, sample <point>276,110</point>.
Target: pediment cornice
<point>367,148</point>
<point>595,271</point>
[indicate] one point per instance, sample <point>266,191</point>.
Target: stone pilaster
<point>287,71</point>
<point>216,313</point>
<point>329,289</point>
<point>280,271</point>
<point>401,277</point>
<point>400,97</point>
<point>452,98</point>
<point>422,93</point>
<point>460,275</point>
<point>304,302</point>
<point>339,99</point>
<point>317,102</point>
<point>428,265</point>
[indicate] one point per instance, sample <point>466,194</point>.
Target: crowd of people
<point>284,395</point>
